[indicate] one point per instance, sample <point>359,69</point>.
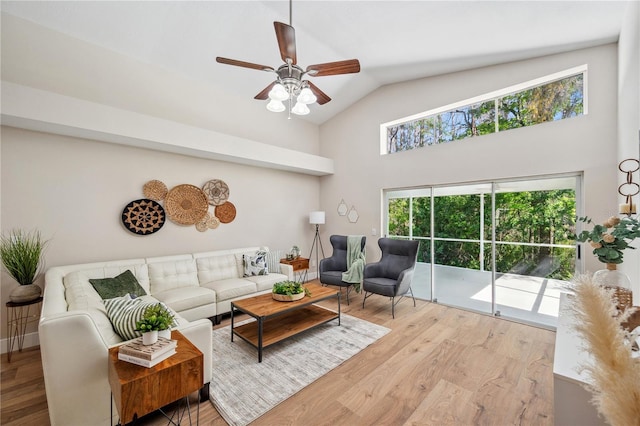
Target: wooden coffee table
<point>276,321</point>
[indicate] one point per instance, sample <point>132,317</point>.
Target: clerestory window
<point>550,98</point>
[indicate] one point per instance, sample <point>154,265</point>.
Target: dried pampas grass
<point>615,374</point>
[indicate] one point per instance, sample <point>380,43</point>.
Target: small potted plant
<point>21,254</point>
<point>288,291</point>
<point>156,318</point>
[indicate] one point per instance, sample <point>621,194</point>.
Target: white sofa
<point>75,332</point>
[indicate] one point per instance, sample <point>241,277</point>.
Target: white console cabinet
<point>572,406</point>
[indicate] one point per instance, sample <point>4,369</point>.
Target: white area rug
<point>243,389</point>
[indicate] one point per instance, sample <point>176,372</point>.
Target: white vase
<point>166,333</point>
<point>25,293</point>
<point>150,337</point>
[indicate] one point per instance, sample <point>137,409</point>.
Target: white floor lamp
<point>317,219</point>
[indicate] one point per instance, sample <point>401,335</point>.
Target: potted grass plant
<point>22,256</point>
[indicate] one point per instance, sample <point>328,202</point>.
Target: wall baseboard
<point>30,340</point>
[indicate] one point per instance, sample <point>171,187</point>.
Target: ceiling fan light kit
<point>289,83</point>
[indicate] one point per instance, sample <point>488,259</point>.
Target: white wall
<point>74,191</point>
<point>629,120</point>
<point>582,144</point>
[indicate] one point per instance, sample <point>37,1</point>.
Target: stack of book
<point>147,355</point>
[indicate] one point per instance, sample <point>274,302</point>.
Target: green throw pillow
<point>123,284</point>
<point>124,312</point>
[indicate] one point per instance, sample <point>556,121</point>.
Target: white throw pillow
<point>255,264</point>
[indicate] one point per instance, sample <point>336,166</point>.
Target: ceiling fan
<point>289,83</point>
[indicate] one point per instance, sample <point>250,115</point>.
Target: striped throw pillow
<point>273,260</point>
<point>124,312</point>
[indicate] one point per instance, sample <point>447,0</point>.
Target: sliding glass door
<point>494,247</point>
<point>408,216</point>
<point>533,255</point>
<point>459,246</point>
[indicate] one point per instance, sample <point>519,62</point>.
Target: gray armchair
<point>331,268</point>
<point>392,275</point>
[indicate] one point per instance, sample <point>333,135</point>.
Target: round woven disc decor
<point>202,224</point>
<point>213,222</point>
<point>155,190</point>
<point>217,192</point>
<point>226,212</point>
<point>186,204</point>
<point>143,217</point>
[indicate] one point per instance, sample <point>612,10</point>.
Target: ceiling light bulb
<point>275,106</point>
<point>306,96</point>
<point>278,93</point>
<point>300,109</point>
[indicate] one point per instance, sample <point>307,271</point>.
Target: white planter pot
<point>150,337</point>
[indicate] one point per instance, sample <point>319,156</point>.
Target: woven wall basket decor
<point>143,217</point>
<point>226,212</point>
<point>155,190</point>
<point>186,204</point>
<point>217,192</point>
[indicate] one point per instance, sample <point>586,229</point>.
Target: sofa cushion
<point>216,268</point>
<point>255,264</point>
<point>172,274</point>
<point>185,298</point>
<point>118,286</point>
<point>231,288</point>
<point>266,282</point>
<point>124,312</point>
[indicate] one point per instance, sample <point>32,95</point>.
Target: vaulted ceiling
<point>394,40</point>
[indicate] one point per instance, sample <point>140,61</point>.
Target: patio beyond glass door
<point>499,247</point>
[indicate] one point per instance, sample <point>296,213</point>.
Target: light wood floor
<point>438,366</point>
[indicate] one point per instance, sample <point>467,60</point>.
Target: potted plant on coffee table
<point>156,318</point>
<point>288,291</point>
<point>21,254</point>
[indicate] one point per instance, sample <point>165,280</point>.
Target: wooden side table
<point>139,390</point>
<point>19,314</point>
<point>300,267</point>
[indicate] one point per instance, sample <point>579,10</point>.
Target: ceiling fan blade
<point>322,97</point>
<point>286,36</point>
<point>334,68</point>
<point>265,92</point>
<point>244,64</point>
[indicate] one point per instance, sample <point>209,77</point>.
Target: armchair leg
<point>365,298</point>
<point>393,308</point>
<point>348,291</point>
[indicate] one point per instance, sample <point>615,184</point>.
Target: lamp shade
<point>316,218</point>
<point>306,96</point>
<point>300,109</point>
<point>275,106</point>
<point>278,93</point>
